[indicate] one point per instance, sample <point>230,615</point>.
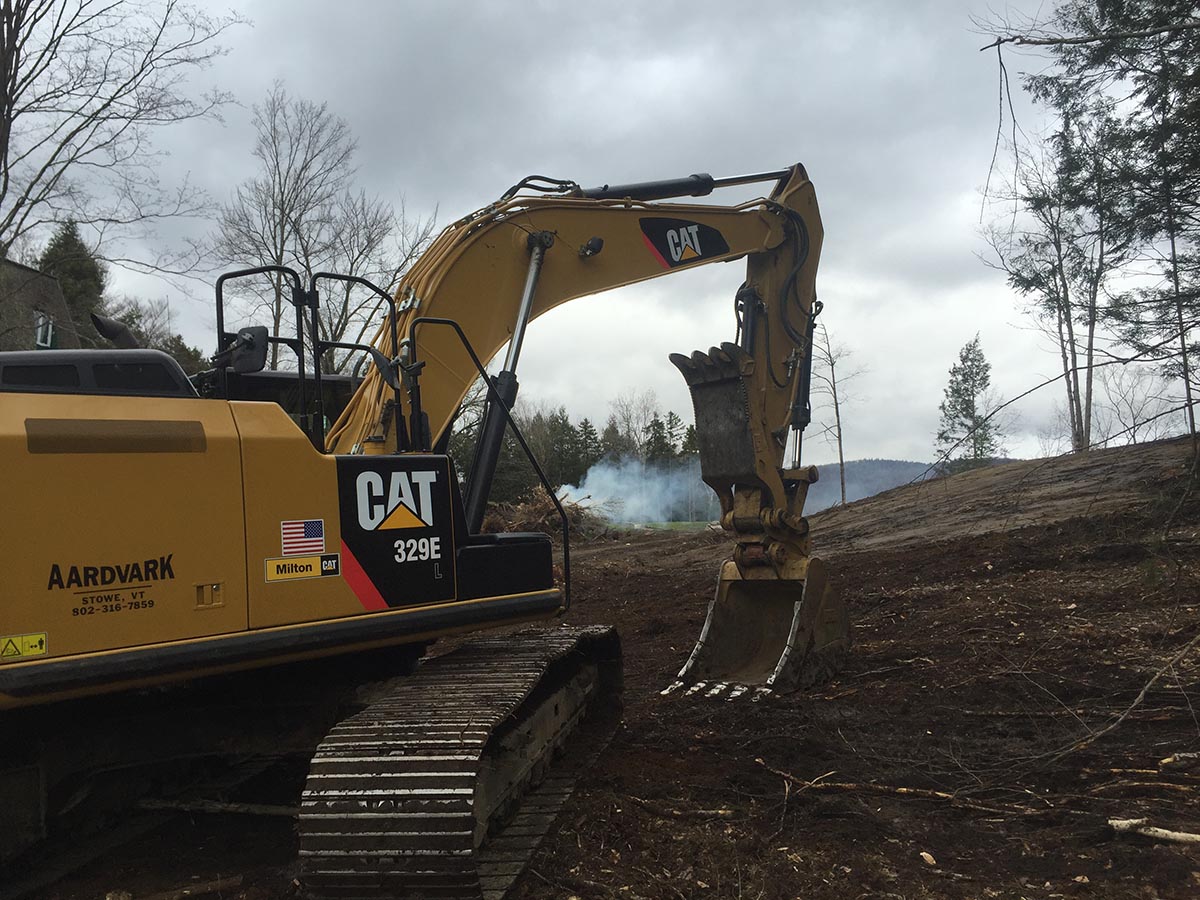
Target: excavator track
<point>442,789</point>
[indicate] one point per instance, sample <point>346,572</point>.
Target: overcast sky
<point>890,106</point>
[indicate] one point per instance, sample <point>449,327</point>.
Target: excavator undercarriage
<point>443,787</point>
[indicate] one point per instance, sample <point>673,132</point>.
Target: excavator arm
<point>477,271</point>
<point>774,623</point>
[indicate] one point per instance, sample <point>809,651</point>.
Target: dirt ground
<point>1000,705</point>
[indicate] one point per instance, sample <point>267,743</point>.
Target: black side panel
<point>398,524</point>
<point>493,565</point>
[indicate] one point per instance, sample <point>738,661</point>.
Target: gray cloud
<point>890,106</point>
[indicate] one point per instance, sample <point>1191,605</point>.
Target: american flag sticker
<point>303,536</point>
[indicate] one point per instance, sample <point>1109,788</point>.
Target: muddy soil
<point>1008,693</point>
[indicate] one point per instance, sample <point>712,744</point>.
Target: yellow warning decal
<point>19,646</point>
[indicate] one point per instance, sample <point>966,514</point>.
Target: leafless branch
<point>1050,40</point>
<point>83,86</point>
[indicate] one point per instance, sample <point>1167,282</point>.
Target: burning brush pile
<point>535,511</point>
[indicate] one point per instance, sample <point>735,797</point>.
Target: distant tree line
<point>636,429</point>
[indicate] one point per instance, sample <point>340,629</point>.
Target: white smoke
<point>630,490</point>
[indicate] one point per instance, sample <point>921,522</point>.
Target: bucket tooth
<point>685,364</point>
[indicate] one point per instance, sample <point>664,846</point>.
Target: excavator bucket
<point>775,623</point>
<point>768,635</point>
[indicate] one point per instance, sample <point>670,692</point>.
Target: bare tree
<point>1137,403</point>
<point>83,85</point>
<point>1054,435</point>
<point>363,237</point>
<point>633,412</point>
<point>299,212</point>
<point>1067,240</point>
<point>828,382</point>
<point>305,152</point>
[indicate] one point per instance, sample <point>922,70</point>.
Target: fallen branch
<point>1056,755</point>
<point>1180,761</point>
<point>896,790</point>
<point>1140,826</point>
<point>668,813</point>
<point>1165,785</point>
<point>582,885</point>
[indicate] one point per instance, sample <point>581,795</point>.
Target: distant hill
<point>1119,480</point>
<point>864,478</point>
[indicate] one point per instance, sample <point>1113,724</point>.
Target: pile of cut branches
<point>535,511</point>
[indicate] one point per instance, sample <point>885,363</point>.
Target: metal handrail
<point>494,397</point>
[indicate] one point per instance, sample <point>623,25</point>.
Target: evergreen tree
<point>1075,238</point>
<point>81,276</point>
<point>1135,56</point>
<point>657,446</point>
<point>590,448</point>
<point>689,445</point>
<point>674,426</point>
<point>514,476</point>
<point>191,359</point>
<point>562,461</point>
<point>615,442</point>
<point>966,436</point>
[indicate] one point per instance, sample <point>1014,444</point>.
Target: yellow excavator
<point>164,535</point>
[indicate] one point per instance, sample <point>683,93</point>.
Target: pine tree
<point>590,449</point>
<point>966,436</point>
<point>1134,56</point>
<point>81,276</point>
<point>674,426</point>
<point>657,446</point>
<point>614,442</point>
<point>562,464</point>
<point>689,445</point>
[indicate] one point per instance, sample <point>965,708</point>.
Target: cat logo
<point>394,505</point>
<point>678,242</point>
<point>684,243</point>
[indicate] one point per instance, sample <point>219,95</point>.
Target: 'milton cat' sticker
<point>293,568</point>
<point>397,529</point>
<point>677,242</point>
